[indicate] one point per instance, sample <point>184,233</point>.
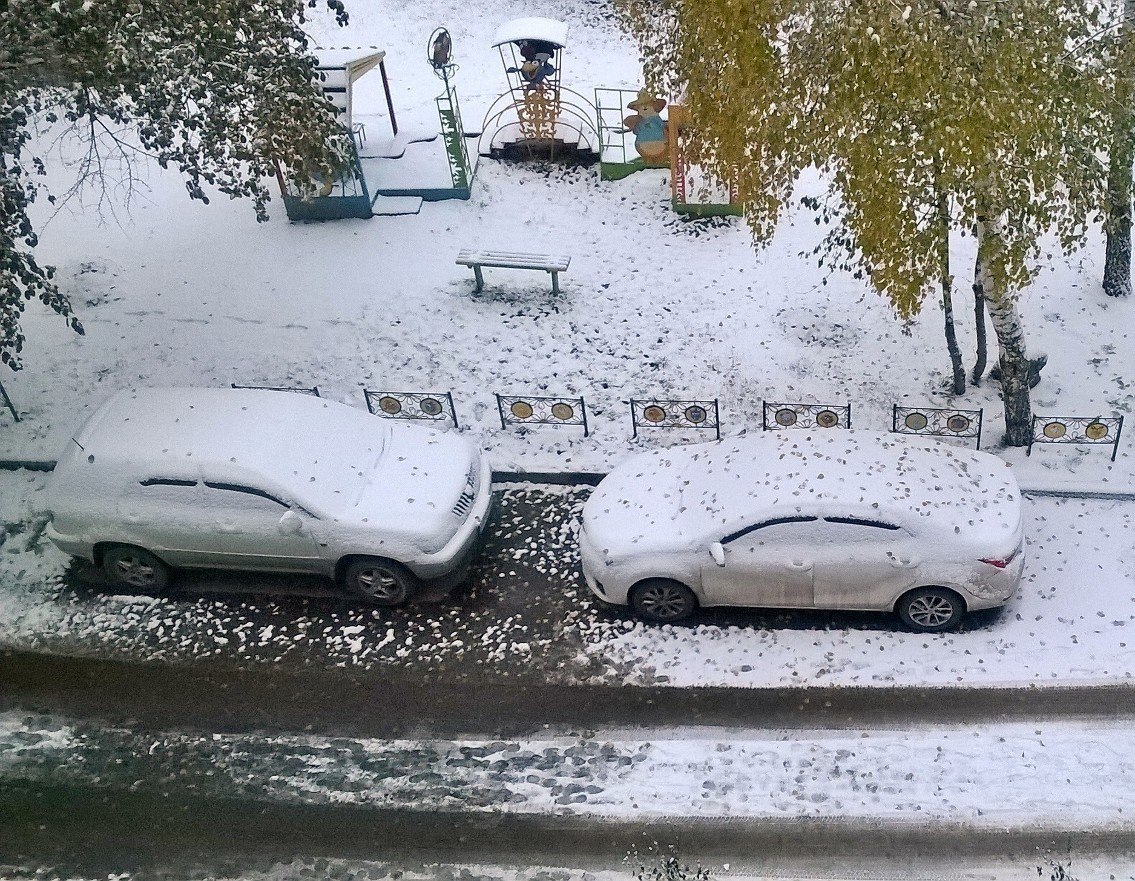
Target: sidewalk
<point>988,789</point>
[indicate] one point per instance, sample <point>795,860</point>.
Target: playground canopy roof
<point>355,61</point>
<point>547,30</point>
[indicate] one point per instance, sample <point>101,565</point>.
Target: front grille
<point>464,504</point>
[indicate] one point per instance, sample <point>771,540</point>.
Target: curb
<point>180,820</point>
<point>389,704</point>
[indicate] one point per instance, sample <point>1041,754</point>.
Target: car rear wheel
<point>136,568</point>
<point>663,601</point>
<point>381,582</point>
<point>931,609</point>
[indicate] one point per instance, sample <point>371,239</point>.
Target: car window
<point>848,530</point>
<point>163,491</point>
<point>242,497</point>
<point>857,521</point>
<point>773,529</point>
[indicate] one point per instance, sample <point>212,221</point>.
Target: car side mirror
<point>717,551</point>
<point>290,523</point>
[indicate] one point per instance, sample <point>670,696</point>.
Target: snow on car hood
<point>419,479</point>
<point>689,495</point>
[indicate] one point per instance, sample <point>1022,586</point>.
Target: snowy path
<point>1054,775</point>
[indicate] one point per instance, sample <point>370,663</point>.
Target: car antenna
<point>79,445</point>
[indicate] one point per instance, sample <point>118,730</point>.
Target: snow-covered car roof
<point>230,434</point>
<point>703,490</point>
<point>547,30</point>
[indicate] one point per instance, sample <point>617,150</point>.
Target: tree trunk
<point>959,370</point>
<point>979,323</point>
<point>1014,362</point>
<point>1117,225</point>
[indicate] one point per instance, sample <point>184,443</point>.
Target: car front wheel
<point>381,582</point>
<point>931,609</point>
<point>136,568</point>
<point>663,601</point>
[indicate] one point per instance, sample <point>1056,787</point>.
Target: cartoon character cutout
<point>537,66</point>
<point>650,129</point>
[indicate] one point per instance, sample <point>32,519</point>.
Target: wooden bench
<point>554,264</point>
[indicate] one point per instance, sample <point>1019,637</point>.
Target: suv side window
<point>252,498</point>
<point>243,490</point>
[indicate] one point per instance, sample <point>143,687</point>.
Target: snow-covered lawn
<point>182,293</point>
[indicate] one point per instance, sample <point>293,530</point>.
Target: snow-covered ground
<point>181,293</point>
<point>527,610</point>
<point>982,776</point>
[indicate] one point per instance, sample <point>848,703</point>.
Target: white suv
<point>158,479</point>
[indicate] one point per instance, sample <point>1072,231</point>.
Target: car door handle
<point>800,565</point>
<point>904,564</point>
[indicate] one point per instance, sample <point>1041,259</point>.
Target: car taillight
<point>1001,564</point>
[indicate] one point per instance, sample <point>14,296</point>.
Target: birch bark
<point>1001,303</point>
<point>1117,255</point>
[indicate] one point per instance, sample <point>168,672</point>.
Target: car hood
<point>414,487</point>
<point>638,507</point>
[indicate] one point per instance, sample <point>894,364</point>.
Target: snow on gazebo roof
<point>355,61</point>
<point>547,30</point>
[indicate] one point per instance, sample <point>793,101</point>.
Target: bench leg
<point>555,282</point>
<point>480,278</point>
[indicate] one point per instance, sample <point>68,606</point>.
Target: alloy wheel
<point>663,602</point>
<point>930,610</point>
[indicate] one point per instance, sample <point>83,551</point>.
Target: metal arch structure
<point>537,117</point>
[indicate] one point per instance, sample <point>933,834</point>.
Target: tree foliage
<point>896,102</point>
<point>220,89</point>
<point>899,104</point>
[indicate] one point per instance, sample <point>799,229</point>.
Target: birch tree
<point>221,90</point>
<point>1117,254</point>
<point>899,105</point>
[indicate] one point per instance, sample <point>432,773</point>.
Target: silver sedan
<point>836,520</point>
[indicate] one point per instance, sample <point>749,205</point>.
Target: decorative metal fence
<point>314,390</point>
<point>806,415</point>
<point>706,415</point>
<point>538,410</point>
<point>1102,430</point>
<point>675,414</point>
<point>938,422</point>
<point>426,406</point>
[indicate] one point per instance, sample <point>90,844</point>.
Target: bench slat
<point>546,262</point>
